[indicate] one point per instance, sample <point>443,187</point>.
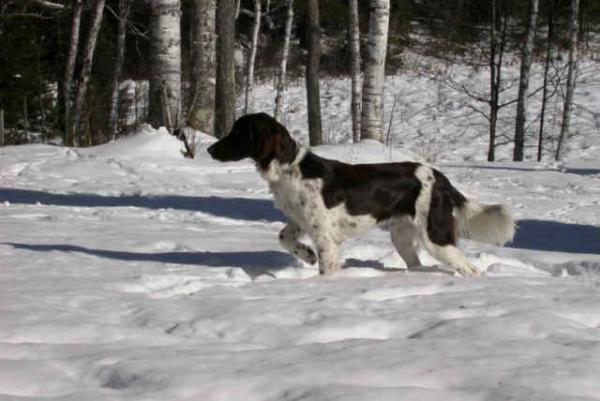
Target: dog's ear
<point>271,140</point>
<point>286,146</point>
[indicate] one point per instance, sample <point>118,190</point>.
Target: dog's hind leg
<point>288,238</point>
<point>453,257</point>
<point>405,237</point>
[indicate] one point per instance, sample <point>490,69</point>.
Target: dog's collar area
<point>299,156</point>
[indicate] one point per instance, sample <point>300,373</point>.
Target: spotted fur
<point>331,201</point>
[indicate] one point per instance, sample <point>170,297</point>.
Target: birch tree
<point>86,68</point>
<point>249,101</point>
<point>281,78</point>
<point>225,85</point>
<point>164,106</point>
<point>526,58</point>
<point>201,109</point>
<point>313,94</point>
<point>70,69</point>
<point>572,70</point>
<point>124,9</point>
<point>354,35</point>
<point>374,73</point>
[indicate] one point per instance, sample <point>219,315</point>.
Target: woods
<point>198,58</point>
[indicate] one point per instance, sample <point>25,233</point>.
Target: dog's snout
<point>211,149</point>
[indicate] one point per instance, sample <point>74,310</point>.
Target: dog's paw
<point>469,271</point>
<point>306,254</point>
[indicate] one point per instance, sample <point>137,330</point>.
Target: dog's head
<point>259,137</point>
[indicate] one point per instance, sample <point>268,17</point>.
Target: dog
<point>331,201</point>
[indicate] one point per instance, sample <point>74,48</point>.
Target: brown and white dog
<point>331,201</point>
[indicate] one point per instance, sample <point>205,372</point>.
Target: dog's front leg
<point>288,238</point>
<point>329,255</point>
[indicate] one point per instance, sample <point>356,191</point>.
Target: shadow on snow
<point>234,208</point>
<point>554,236</point>
<point>254,263</point>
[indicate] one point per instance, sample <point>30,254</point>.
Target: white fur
<point>492,224</point>
<point>302,202</point>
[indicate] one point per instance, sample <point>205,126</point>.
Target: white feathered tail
<point>492,224</point>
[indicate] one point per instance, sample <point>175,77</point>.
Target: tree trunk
<point>313,95</point>
<point>2,127</point>
<point>202,107</point>
<point>374,76</point>
<point>279,98</point>
<point>249,102</point>
<point>566,121</point>
<point>225,87</point>
<point>25,115</point>
<point>355,69</point>
<point>164,108</point>
<point>549,40</point>
<point>86,68</point>
<point>69,70</point>
<point>496,56</point>
<point>526,58</point>
<point>113,118</point>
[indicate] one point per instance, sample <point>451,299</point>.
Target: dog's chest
<point>301,200</point>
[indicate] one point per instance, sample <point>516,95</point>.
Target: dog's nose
<point>211,149</point>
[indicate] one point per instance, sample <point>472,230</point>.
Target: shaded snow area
<point>130,273</point>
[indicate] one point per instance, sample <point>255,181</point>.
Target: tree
<point>354,34</point>
<point>202,107</point>
<point>313,95</point>
<point>281,77</point>
<point>70,69</point>
<point>526,58</point>
<point>374,73</point>
<point>549,39</point>
<point>113,117</point>
<point>225,85</point>
<point>164,106</point>
<point>86,69</point>
<point>497,47</point>
<point>249,102</point>
<point>572,70</point>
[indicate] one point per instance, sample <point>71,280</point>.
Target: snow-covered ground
<point>130,273</point>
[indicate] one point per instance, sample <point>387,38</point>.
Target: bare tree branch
<point>49,4</point>
<point>477,110</point>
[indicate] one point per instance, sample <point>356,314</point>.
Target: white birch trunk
<point>249,101</point>
<point>355,69</point>
<point>165,64</point>
<point>201,110</point>
<point>113,118</point>
<point>69,70</point>
<point>86,68</point>
<point>374,74</point>
<point>526,58</point>
<point>280,97</point>
<point>566,121</point>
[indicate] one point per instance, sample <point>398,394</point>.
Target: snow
<point>130,273</point>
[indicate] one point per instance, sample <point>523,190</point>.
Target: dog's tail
<point>492,224</point>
